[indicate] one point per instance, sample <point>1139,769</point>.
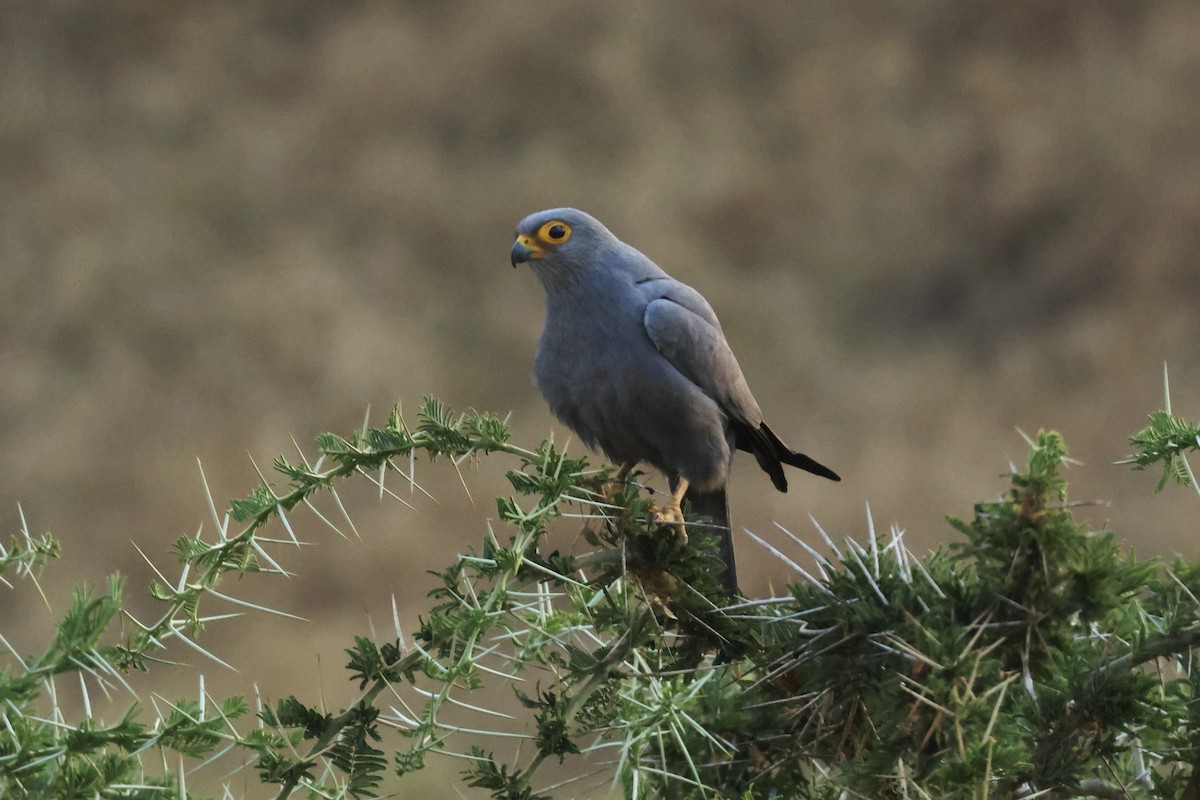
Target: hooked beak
<point>525,249</point>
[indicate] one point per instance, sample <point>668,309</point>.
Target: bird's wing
<point>683,327</point>
<point>685,330</point>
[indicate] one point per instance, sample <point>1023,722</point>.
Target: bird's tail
<point>715,506</point>
<point>794,459</point>
<point>771,454</point>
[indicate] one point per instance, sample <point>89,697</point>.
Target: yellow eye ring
<point>555,232</point>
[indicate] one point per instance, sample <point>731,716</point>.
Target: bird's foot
<point>613,489</point>
<point>671,515</point>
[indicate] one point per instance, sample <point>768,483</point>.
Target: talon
<point>673,512</point>
<point>671,515</point>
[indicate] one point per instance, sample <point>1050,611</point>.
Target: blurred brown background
<point>924,225</point>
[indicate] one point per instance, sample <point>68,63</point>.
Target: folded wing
<point>685,330</point>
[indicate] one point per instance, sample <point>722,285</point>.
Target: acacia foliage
<point>1032,657</point>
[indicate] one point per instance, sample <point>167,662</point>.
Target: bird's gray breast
<point>603,377</point>
<point>593,356</point>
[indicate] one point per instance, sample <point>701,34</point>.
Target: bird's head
<point>558,237</point>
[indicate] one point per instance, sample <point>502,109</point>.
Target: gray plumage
<point>636,364</point>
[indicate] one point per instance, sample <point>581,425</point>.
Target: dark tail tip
<point>807,464</point>
<point>771,452</point>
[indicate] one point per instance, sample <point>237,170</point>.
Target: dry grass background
<point>923,224</point>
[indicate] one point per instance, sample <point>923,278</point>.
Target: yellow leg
<point>674,510</point>
<point>617,485</point>
<point>624,471</point>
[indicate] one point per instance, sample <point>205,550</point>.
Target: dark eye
<point>557,232</point>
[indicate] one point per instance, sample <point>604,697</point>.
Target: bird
<point>636,364</point>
